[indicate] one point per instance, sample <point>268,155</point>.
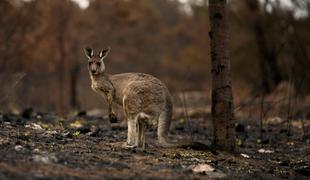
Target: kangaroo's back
<point>144,93</point>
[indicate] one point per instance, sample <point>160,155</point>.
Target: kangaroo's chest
<point>100,88</point>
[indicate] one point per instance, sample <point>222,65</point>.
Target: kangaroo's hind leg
<point>132,133</point>
<point>132,125</point>
<point>142,123</point>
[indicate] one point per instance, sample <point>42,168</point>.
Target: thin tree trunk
<point>222,99</point>
<point>61,75</point>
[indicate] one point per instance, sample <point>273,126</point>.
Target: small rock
<point>266,151</point>
<point>66,133</point>
<point>203,168</point>
<point>208,170</point>
<point>274,120</point>
<point>245,155</point>
<point>51,132</point>
<point>290,143</point>
<point>36,150</point>
<point>18,147</point>
<point>45,158</point>
<point>34,126</point>
<point>211,161</point>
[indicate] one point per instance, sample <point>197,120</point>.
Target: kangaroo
<point>145,99</point>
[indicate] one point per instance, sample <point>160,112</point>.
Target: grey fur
<point>145,99</point>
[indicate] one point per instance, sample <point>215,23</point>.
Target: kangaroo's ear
<point>89,52</point>
<point>104,53</point>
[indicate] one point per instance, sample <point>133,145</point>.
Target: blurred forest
<point>42,64</point>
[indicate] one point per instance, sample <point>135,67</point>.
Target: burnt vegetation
<point>53,126</point>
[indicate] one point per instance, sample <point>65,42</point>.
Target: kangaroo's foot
<point>126,145</point>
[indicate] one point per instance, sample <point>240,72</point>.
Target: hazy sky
<point>285,3</point>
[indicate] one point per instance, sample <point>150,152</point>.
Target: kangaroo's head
<point>95,62</point>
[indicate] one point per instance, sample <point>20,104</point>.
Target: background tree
<point>222,99</point>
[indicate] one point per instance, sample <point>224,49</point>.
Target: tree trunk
<point>270,72</point>
<point>222,100</point>
<point>61,75</point>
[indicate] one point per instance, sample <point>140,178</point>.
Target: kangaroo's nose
<point>93,71</point>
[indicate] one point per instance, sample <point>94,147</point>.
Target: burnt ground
<point>46,146</point>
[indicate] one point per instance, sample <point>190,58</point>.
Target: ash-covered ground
<point>37,145</point>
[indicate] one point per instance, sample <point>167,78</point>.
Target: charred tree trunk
<point>222,99</point>
<point>270,72</point>
<point>269,69</point>
<point>62,23</point>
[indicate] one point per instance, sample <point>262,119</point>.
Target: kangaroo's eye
<point>89,63</point>
<point>98,63</point>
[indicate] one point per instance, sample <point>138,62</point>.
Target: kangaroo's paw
<point>113,118</point>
